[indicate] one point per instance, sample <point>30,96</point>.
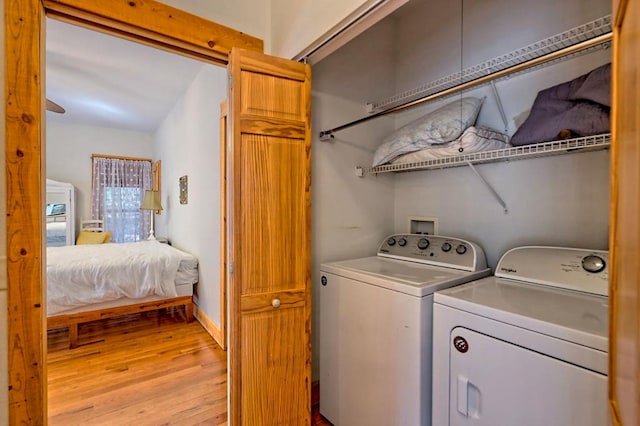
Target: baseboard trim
<point>209,326</point>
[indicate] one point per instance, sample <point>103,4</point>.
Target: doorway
<point>150,23</point>
<point>115,107</point>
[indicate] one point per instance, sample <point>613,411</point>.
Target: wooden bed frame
<point>72,320</point>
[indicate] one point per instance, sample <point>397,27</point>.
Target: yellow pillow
<point>107,237</point>
<point>89,237</point>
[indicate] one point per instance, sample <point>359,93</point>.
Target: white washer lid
<point>412,278</point>
<point>573,316</point>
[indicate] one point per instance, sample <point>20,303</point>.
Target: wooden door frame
<point>144,21</point>
<point>224,117</point>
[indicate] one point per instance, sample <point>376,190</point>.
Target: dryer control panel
<point>570,268</point>
<point>434,250</point>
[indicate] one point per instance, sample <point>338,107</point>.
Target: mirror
<point>60,214</point>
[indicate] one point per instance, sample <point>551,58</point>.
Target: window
<point>118,190</point>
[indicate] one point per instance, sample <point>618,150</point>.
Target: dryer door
<point>496,383</point>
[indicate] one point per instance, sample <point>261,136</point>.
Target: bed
<point>97,281</point>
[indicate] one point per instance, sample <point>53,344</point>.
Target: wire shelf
<point>535,50</point>
<point>567,146</point>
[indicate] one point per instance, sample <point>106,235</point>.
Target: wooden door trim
<point>619,11</point>
<point>153,23</point>
<point>147,21</point>
<point>24,161</point>
<point>624,234</point>
<point>613,213</point>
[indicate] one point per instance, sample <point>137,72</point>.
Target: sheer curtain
<point>118,190</point>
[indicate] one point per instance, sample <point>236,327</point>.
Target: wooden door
<point>624,297</point>
<point>270,226</point>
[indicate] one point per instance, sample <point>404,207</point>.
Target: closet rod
<point>328,134</point>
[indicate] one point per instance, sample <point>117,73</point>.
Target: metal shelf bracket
<point>490,188</point>
<point>496,96</point>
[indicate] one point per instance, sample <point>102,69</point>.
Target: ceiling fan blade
<point>54,107</point>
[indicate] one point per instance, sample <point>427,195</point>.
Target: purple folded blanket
<point>579,107</point>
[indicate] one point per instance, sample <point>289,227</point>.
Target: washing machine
<point>375,328</point>
<point>526,347</point>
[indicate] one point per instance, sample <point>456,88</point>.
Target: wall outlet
<point>423,225</point>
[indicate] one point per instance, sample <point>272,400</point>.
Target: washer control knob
<point>402,242</point>
<point>461,249</point>
<point>446,247</point>
<point>391,241</point>
<point>593,263</point>
<point>423,243</point>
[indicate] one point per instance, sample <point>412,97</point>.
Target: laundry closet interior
<point>560,199</point>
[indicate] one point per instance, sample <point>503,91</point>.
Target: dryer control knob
<point>593,263</point>
<point>402,242</point>
<point>423,243</point>
<point>391,241</point>
<point>446,247</point>
<point>461,249</point>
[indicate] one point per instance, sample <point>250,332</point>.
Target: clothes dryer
<point>375,328</point>
<point>528,346</point>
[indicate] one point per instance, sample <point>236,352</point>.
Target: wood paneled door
<point>624,243</point>
<point>270,233</point>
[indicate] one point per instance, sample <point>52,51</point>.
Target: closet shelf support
<point>490,188</point>
<point>326,136</point>
<point>496,95</point>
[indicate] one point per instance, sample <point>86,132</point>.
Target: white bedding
<point>85,274</point>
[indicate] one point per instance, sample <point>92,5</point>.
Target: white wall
<point>249,16</point>
<point>561,201</point>
<point>69,150</point>
<point>296,24</point>
<point>188,142</point>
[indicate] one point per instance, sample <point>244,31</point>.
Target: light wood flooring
<point>141,369</point>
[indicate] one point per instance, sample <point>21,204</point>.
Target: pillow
<point>107,237</point>
<point>440,126</point>
<point>89,237</point>
<point>474,139</point>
